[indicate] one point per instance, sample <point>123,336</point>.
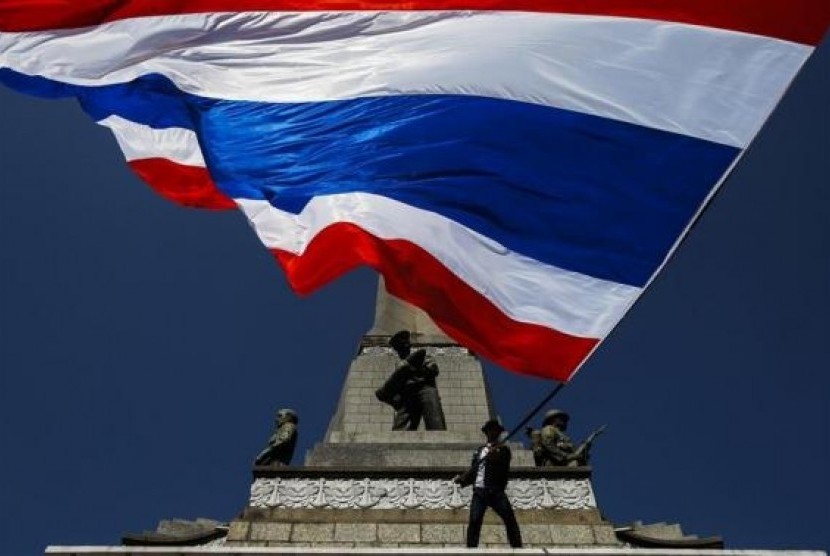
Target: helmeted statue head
<point>553,414</point>
<point>400,339</point>
<point>287,416</point>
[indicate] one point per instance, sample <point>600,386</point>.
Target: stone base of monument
<point>393,508</point>
<point>366,485</point>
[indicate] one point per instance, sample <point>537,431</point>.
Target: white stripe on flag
<point>139,141</point>
<point>703,82</point>
<point>573,303</point>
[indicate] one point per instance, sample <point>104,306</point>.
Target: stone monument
<point>368,485</point>
<point>368,489</point>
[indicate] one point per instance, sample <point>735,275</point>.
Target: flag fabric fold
<point>519,170</point>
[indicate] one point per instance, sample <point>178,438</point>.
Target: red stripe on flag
<point>803,21</point>
<point>414,275</point>
<point>191,186</point>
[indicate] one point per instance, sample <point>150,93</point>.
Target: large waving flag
<point>520,169</point>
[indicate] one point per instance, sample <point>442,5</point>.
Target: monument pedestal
<point>420,506</point>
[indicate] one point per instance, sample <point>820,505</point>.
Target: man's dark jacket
<point>496,468</point>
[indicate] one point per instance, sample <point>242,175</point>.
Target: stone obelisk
<point>360,432</point>
<point>392,315</point>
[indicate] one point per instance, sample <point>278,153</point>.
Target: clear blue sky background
<point>144,348</point>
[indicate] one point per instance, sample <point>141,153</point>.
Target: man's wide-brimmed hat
<point>492,424</point>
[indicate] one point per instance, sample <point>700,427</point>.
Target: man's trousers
<point>496,499</point>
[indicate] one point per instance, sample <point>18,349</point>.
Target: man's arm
<point>500,456</point>
<point>498,466</point>
<point>468,476</point>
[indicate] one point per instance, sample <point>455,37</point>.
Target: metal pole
<point>530,415</point>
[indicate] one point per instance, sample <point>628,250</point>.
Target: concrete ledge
<point>403,455</point>
<point>363,434</point>
<point>450,533</point>
<point>328,515</point>
<point>314,472</point>
<point>239,551</point>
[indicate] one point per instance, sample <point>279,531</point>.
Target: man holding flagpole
<point>488,474</point>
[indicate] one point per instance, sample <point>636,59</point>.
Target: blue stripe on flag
<point>152,100</point>
<point>583,193</point>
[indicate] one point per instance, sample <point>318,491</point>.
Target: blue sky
<point>144,348</point>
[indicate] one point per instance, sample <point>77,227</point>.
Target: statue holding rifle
<point>411,389</point>
<point>551,446</point>
<point>280,447</point>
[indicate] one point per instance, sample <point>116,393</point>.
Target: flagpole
<point>536,409</point>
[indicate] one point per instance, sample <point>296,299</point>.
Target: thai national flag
<point>520,169</point>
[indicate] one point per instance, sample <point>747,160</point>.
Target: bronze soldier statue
<point>411,390</point>
<point>552,447</point>
<point>280,447</point>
